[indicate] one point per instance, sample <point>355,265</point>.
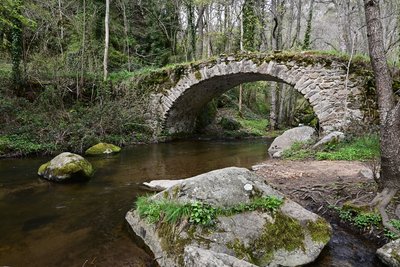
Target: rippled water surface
<point>47,224</point>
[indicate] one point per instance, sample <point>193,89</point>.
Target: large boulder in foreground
<point>390,253</point>
<point>289,137</point>
<point>288,236</point>
<point>102,148</point>
<point>66,167</point>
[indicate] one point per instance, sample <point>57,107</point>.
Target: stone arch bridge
<point>337,95</point>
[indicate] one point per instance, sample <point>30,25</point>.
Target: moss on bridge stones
<point>162,79</point>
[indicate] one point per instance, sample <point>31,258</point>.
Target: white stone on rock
<point>248,187</point>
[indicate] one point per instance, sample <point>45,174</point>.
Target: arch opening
<point>182,116</point>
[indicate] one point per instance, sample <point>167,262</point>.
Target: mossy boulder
<point>66,167</point>
<point>102,148</point>
<point>289,236</point>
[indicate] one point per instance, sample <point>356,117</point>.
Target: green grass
<point>299,151</point>
<point>360,148</point>
<point>256,127</point>
<point>197,212</point>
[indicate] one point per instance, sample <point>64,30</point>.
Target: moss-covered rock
<point>287,236</point>
<point>66,167</point>
<point>102,148</point>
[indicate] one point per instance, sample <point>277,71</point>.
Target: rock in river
<point>288,138</point>
<point>390,253</point>
<point>66,167</point>
<point>102,148</point>
<point>288,236</point>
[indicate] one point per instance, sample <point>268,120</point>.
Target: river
<point>49,224</point>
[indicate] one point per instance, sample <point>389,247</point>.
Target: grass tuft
<point>360,148</point>
<point>198,212</point>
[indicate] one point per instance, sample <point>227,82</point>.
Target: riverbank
<point>327,187</point>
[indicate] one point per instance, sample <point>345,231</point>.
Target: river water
<point>48,224</point>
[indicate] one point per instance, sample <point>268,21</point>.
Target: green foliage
<point>359,148</point>
<point>230,124</point>
<point>203,214</point>
<point>256,127</point>
<point>362,220</point>
<point>198,213</point>
<point>395,223</point>
<point>51,123</point>
<point>391,235</point>
<point>250,22</point>
<point>22,145</point>
<point>307,34</point>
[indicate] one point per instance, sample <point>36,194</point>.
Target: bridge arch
<point>334,96</point>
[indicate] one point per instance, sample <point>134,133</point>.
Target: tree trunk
<point>126,33</point>
<point>343,9</point>
<point>298,23</point>
<point>288,40</point>
<point>361,16</point>
<point>208,15</point>
<point>389,112</point>
<point>83,51</point>
<point>277,11</point>
<point>307,34</point>
<point>106,39</point>
<point>200,26</point>
<point>273,108</point>
<point>283,92</point>
<point>191,36</point>
<point>240,99</point>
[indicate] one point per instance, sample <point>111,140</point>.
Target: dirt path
<point>318,184</point>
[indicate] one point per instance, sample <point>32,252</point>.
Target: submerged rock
<point>333,137</point>
<point>288,138</point>
<point>390,253</point>
<point>290,236</point>
<point>102,148</point>
<point>65,167</point>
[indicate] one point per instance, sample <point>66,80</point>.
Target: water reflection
<point>47,224</point>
